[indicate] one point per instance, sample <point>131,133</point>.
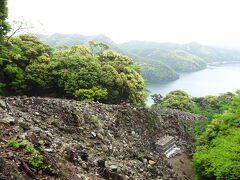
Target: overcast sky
<point>211,22</point>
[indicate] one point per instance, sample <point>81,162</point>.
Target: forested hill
<point>208,53</point>
<point>158,61</point>
<point>151,70</point>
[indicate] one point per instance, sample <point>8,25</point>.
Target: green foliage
<point>210,107</point>
<point>4,29</point>
<point>20,55</point>
<point>106,157</point>
<point>217,151</point>
<point>40,142</point>
<point>151,70</point>
<point>158,61</point>
<point>120,76</point>
<point>155,71</point>
<point>36,160</point>
<point>213,54</point>
<point>95,93</point>
<point>31,150</point>
<point>207,53</point>
<point>76,68</point>
<point>96,47</point>
<point>17,143</point>
<point>179,60</point>
<point>157,99</point>
<point>32,68</point>
<point>4,26</point>
<point>49,169</point>
<point>178,100</point>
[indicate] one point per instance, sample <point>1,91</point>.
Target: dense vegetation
<point>158,61</point>
<point>95,73</point>
<point>151,70</point>
<point>4,26</point>
<point>175,99</point>
<point>179,60</point>
<point>34,68</point>
<point>208,106</point>
<point>216,153</point>
<point>213,54</point>
<point>171,54</point>
<point>209,54</point>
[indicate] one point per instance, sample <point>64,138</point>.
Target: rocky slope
<point>66,139</point>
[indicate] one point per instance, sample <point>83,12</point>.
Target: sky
<point>210,22</point>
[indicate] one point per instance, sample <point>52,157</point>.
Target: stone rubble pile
<point>89,140</point>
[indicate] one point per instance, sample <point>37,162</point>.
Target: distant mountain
<point>207,54</point>
<point>151,70</point>
<point>158,61</point>
<point>213,54</point>
<point>174,55</point>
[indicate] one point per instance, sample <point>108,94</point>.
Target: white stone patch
<point>166,145</point>
<point>173,151</point>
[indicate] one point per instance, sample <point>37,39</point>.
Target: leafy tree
<point>151,69</point>
<point>217,152</point>
<point>4,26</point>
<point>95,93</point>
<point>122,79</point>
<point>20,26</point>
<point>210,106</point>
<point>40,76</point>
<point>178,100</point>
<point>23,51</point>
<point>96,47</point>
<point>32,68</point>
<point>76,68</point>
<point>157,99</point>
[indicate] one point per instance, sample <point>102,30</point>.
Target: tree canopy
<point>4,26</point>
<point>217,152</point>
<point>95,74</point>
<point>177,99</point>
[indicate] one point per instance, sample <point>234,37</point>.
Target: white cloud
<point>205,21</point>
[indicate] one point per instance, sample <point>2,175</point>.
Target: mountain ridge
<point>158,61</point>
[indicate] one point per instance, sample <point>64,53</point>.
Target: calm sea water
<point>211,81</point>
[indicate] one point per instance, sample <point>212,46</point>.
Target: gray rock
<point>2,164</point>
<point>24,125</point>
<point>7,120</point>
<point>49,150</point>
<point>113,168</point>
<point>93,134</point>
<point>3,104</point>
<point>145,160</point>
<point>100,136</point>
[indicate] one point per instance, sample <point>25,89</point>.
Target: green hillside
<point>179,60</point>
<point>209,54</point>
<point>213,54</point>
<point>158,61</point>
<point>151,70</point>
<point>173,55</point>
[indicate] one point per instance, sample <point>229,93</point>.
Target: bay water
<point>213,80</point>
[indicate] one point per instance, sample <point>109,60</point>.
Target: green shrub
<point>36,160</point>
<point>217,153</point>
<point>17,143</point>
<point>178,100</point>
